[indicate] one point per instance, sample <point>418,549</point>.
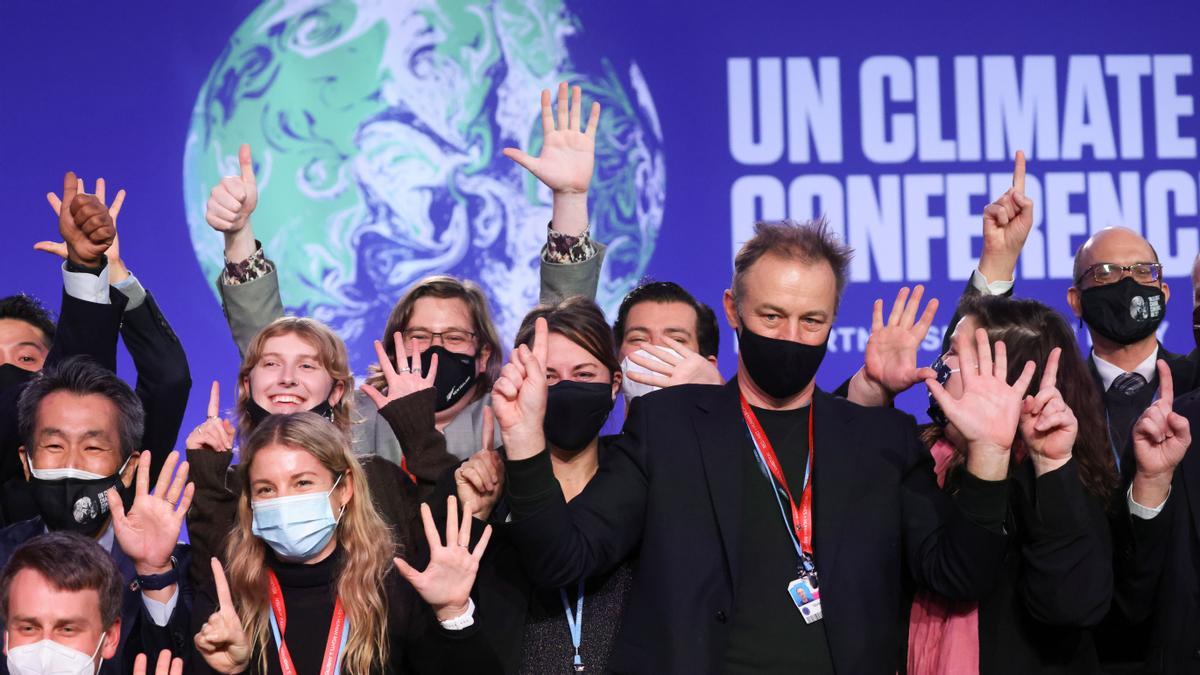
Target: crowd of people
<point>459,511</point>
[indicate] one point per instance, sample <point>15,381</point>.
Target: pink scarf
<point>943,634</point>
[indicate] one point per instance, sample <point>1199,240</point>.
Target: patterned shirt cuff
<point>565,249</point>
<point>254,267</point>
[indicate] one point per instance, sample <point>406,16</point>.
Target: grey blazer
<point>249,307</point>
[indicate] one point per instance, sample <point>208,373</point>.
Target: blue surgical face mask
<point>936,414</point>
<point>296,527</point>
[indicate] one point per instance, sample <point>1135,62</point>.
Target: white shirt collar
<point>1109,372</point>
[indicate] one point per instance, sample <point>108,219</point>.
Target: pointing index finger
<point>214,400</point>
<point>1166,386</point>
<point>1050,374</point>
<point>1019,172</point>
<point>224,598</point>
<point>541,338</point>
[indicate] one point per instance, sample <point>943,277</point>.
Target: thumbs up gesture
<point>84,224</point>
<point>229,207</point>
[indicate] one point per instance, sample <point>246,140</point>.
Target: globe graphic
<point>377,129</point>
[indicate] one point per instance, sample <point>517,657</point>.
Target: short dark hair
<point>708,335</point>
<point>30,310</point>
<point>82,376</point>
<point>810,242</point>
<point>581,321</point>
<point>69,562</point>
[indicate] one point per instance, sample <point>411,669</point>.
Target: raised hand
<point>446,582</point>
<point>674,365</point>
<point>987,413</point>
<point>890,365</point>
<point>568,152</point>
<point>401,379</point>
<point>480,480</point>
<point>85,225</point>
<point>149,532</point>
<point>221,640</point>
<point>1048,425</point>
<point>519,397</point>
<point>1161,437</point>
<point>214,433</point>
<point>1006,224</point>
<point>230,204</point>
<point>116,268</point>
<point>164,666</point>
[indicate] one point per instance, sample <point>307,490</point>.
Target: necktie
<point>1128,384</point>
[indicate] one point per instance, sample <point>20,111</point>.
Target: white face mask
<point>631,389</point>
<point>70,472</point>
<point>51,658</point>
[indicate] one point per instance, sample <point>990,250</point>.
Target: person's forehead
<point>289,344</point>
<point>564,354</point>
<point>439,313</point>
<point>278,461</point>
<point>70,411</point>
<point>790,284</point>
<point>31,595</point>
<point>660,316</point>
<point>15,331</point>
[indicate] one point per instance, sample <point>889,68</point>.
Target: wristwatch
<point>156,582</point>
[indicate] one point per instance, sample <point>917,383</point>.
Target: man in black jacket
<point>712,483</point>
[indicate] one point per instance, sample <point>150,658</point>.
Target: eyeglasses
<point>450,338</point>
<point>1108,273</point>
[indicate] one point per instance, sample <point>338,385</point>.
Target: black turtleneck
<point>309,593</point>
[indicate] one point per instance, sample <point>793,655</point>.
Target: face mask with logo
<point>575,412</point>
<point>1124,312</point>
<point>935,412</point>
<point>455,374</point>
<point>73,500</point>
<point>296,527</point>
<point>51,658</point>
<point>781,368</point>
<point>630,389</point>
<point>1196,325</point>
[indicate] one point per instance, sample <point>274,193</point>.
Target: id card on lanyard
<point>335,644</point>
<point>804,590</point>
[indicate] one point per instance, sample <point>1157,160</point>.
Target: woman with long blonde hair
<point>296,364</point>
<point>312,585</point>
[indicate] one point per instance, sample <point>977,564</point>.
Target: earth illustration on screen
<point>377,130</point>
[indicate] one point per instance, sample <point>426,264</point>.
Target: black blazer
<point>1160,578</point>
<point>673,487</point>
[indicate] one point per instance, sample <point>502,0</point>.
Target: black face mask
<point>11,376</point>
<point>72,504</point>
<point>455,375</point>
<point>575,411</point>
<point>258,413</point>
<point>781,368</point>
<point>935,412</point>
<point>1124,312</point>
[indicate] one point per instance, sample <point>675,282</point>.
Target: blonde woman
<point>312,585</point>
<point>295,364</point>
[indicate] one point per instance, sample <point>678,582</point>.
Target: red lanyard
<point>334,645</point>
<point>801,520</point>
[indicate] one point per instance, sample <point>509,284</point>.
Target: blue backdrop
<point>380,128</point>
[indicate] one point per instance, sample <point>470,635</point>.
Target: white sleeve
<point>160,612</point>
<point>87,286</point>
<point>986,287</point>
<point>1144,512</point>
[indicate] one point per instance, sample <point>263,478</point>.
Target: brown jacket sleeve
<point>425,454</point>
<point>213,512</point>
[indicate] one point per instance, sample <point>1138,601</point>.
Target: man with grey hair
<point>711,485</point>
<point>79,424</point>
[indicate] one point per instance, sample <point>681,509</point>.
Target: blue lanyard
<point>783,512</point>
<point>574,621</point>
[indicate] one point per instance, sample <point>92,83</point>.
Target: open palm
<point>891,355</point>
<point>447,580</point>
<point>149,532</point>
<point>568,152</point>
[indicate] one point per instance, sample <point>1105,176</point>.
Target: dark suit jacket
<point>672,489</point>
<point>1160,580</point>
<point>139,634</point>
